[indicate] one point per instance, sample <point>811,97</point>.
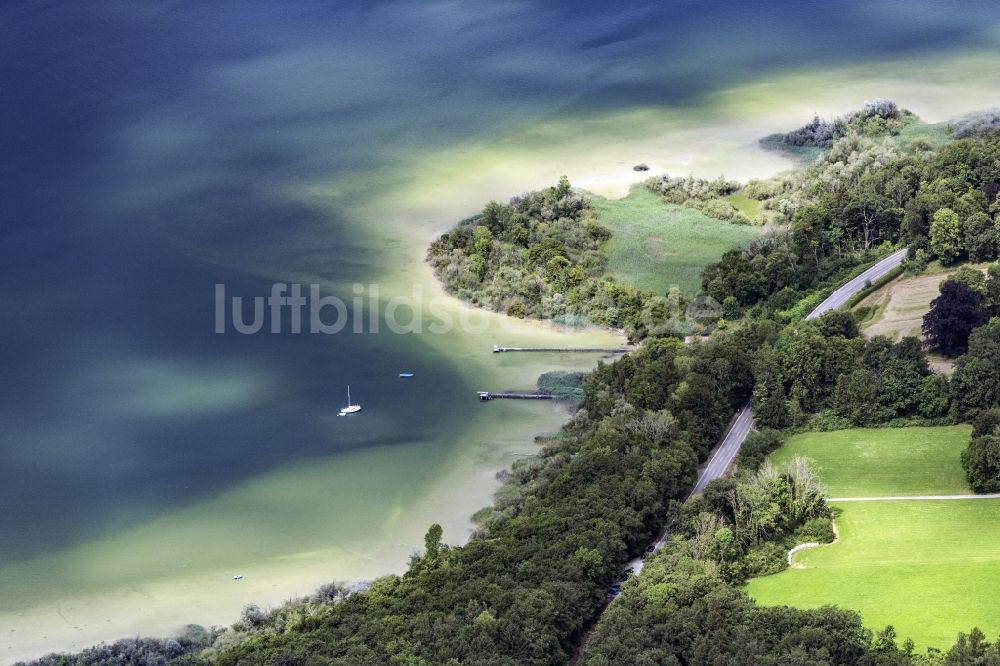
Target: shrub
<point>981,122</point>
<point>882,108</point>
<point>252,616</point>
<point>986,422</point>
<point>819,133</point>
<point>765,559</point>
<point>815,530</point>
<point>758,446</point>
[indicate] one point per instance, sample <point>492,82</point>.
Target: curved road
<point>725,452</point>
<point>848,289</point>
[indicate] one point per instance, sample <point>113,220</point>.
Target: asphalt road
<point>725,452</point>
<point>840,296</point>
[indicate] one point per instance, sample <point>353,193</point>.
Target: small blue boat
<point>404,375</point>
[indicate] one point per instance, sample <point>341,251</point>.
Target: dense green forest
<point>534,578</point>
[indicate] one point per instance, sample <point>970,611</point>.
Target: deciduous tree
<point>981,461</point>
<point>976,382</point>
<point>953,315</point>
<point>946,236</point>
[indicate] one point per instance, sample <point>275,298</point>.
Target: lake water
<point>151,151</point>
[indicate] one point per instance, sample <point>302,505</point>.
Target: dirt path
<point>903,498</point>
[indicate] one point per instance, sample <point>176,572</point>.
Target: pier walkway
<point>598,350</point>
<point>490,395</point>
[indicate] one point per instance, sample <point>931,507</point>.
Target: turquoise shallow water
<point>152,151</point>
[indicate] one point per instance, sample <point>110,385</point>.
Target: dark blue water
<point>145,147</point>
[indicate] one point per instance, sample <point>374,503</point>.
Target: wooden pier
<point>592,350</point>
<point>489,395</point>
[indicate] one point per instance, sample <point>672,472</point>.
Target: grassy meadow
<point>746,205</point>
<point>655,245</point>
<point>934,134</point>
<point>929,568</point>
<point>888,461</point>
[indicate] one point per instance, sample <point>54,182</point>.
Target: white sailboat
<point>351,408</point>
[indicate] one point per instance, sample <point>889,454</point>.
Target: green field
<point>887,461</point>
<point>746,205</point>
<point>935,134</point>
<point>929,568</point>
<point>655,245</point>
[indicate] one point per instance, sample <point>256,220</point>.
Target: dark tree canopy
<point>953,315</point>
<point>986,422</point>
<point>838,322</point>
<point>981,461</point>
<point>976,383</point>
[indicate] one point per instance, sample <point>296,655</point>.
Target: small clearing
<point>656,245</point>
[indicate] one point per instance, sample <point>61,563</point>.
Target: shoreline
<point>168,601</point>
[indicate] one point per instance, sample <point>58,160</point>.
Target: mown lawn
<point>886,461</point>
<point>656,245</point>
<point>929,568</point>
